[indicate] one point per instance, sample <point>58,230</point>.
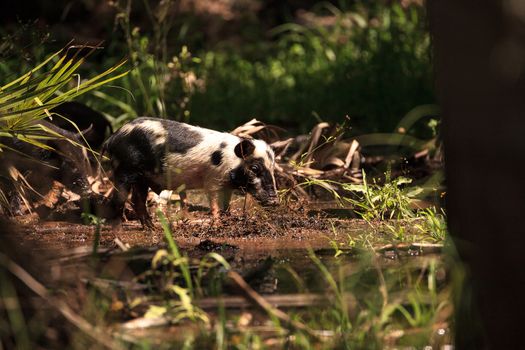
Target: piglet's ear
<point>244,149</point>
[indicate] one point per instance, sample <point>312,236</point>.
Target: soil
<point>267,247</point>
<point>246,227</point>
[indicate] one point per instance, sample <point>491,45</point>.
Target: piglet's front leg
<point>219,201</point>
<point>213,197</point>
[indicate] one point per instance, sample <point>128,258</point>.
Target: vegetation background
<point>219,64</point>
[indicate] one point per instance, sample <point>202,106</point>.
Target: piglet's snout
<point>270,200</point>
<point>273,201</point>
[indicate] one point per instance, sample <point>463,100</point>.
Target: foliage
<point>27,100</point>
<point>390,300</point>
<point>433,222</point>
<point>368,61</point>
<point>173,269</point>
<point>371,305</point>
<point>161,81</point>
<point>97,222</point>
<point>372,63</point>
<point>380,202</point>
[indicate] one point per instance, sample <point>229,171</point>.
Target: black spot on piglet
<point>216,158</point>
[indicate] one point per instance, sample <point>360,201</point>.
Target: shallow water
<point>275,252</point>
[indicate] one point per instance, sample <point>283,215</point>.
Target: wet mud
<point>246,227</point>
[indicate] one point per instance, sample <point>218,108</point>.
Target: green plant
<point>398,231</point>
<point>382,302</point>
<point>13,322</point>
<point>171,264</point>
<point>423,307</point>
<point>175,255</point>
<point>160,83</point>
<point>433,223</point>
<point>387,201</point>
<point>337,288</point>
<point>98,222</point>
<point>371,62</point>
<point>26,101</point>
<point>182,306</point>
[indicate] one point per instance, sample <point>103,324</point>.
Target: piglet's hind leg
<point>138,200</point>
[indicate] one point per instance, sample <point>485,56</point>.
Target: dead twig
<point>424,248</point>
<point>284,301</point>
<point>87,328</point>
<point>261,302</point>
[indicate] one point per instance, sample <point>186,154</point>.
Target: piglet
<point>163,154</point>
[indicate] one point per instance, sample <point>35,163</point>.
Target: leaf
<point>219,258</point>
<point>158,257</point>
<point>401,180</point>
<point>184,296</point>
<point>414,191</point>
<point>155,311</point>
<point>28,99</point>
<point>34,142</point>
<point>355,188</point>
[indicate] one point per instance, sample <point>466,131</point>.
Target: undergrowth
<point>371,306</point>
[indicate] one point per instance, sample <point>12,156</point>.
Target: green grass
<point>372,305</point>
<point>390,200</point>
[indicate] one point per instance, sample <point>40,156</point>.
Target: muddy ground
<point>267,247</point>
<point>247,231</point>
<point>247,227</point>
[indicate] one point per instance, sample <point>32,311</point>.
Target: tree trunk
<point>479,52</point>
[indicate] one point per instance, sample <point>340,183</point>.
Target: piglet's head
<point>255,173</point>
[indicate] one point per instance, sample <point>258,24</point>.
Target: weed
<point>13,320</point>
<point>170,264</point>
<point>386,301</point>
<point>398,231</point>
<point>380,202</point>
<point>27,99</point>
<point>433,223</point>
<point>98,222</point>
<point>175,254</point>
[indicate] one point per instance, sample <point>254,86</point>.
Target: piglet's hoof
<point>116,225</point>
<point>148,225</point>
<point>216,221</point>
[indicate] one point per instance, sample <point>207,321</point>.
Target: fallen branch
<point>146,322</point>
<point>260,301</point>
<point>282,300</point>
<point>424,248</point>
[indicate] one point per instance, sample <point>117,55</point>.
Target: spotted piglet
<point>163,154</point>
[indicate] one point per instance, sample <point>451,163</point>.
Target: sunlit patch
<point>126,129</point>
<point>154,127</point>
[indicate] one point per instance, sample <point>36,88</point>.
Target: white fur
<point>261,149</point>
<point>194,168</point>
<point>153,126</point>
